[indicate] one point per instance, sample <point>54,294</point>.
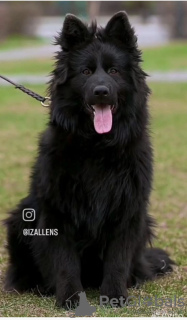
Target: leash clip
<point>46,102</point>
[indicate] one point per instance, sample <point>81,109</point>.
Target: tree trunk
<point>93,9</point>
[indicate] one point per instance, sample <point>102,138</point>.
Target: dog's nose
<point>101,91</point>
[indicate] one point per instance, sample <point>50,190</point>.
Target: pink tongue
<point>102,118</point>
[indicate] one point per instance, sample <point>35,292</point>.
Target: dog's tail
<point>159,260</point>
<point>154,263</point>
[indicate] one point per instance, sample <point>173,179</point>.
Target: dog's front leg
<point>59,263</point>
<point>117,262</point>
<point>68,282</point>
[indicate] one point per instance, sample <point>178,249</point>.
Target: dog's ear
<point>74,32</point>
<point>120,29</point>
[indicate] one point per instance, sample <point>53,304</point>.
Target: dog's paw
<point>113,293</point>
<point>69,300</point>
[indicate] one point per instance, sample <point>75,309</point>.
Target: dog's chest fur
<point>90,184</point>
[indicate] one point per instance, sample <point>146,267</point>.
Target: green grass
<point>16,42</point>
<point>21,120</point>
<point>166,58</point>
<point>169,57</point>
<point>37,66</point>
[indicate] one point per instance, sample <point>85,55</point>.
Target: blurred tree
<point>3,20</point>
<point>174,14</point>
<point>17,18</point>
<point>142,8</point>
<point>94,9</point>
<point>180,24</point>
<point>63,7</point>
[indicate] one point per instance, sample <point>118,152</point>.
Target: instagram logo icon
<point>28,214</point>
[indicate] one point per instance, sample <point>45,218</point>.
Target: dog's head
<point>97,83</point>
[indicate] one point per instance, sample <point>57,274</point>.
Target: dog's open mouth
<point>102,117</point>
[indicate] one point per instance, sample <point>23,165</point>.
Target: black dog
<point>93,175</point>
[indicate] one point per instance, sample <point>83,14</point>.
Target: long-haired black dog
<point>93,175</point>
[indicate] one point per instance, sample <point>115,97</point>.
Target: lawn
<point>16,42</point>
<point>36,66</point>
<point>166,58</point>
<point>21,120</point>
<point>172,56</point>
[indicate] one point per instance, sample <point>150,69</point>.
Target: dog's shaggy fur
<point>93,174</point>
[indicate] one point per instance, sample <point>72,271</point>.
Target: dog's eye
<point>87,72</point>
<point>112,71</point>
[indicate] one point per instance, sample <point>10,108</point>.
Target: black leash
<point>45,101</point>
